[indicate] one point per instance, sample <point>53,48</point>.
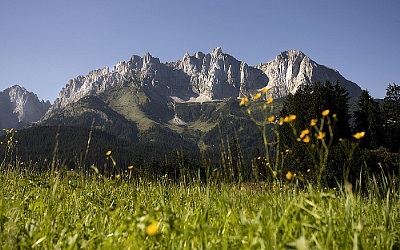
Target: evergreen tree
<point>307,104</point>
<point>369,118</point>
<point>391,108</point>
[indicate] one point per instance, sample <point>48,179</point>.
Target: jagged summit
<point>291,53</point>
<point>203,77</point>
<point>217,51</point>
<point>19,107</point>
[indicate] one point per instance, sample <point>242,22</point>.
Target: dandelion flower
<point>270,100</point>
<point>264,90</point>
<point>130,167</point>
<point>321,135</point>
<point>359,135</point>
<point>152,229</point>
<point>304,133</point>
<point>271,118</point>
<point>289,175</point>
<point>257,96</point>
<point>118,176</point>
<point>325,112</point>
<point>244,101</point>
<point>313,122</point>
<point>108,153</point>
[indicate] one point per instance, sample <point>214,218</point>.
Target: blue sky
<point>45,43</point>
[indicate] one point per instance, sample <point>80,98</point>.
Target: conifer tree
<point>391,108</point>
<point>369,118</point>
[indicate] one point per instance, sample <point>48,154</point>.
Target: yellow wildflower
<point>281,121</point>
<point>325,112</point>
<point>130,167</point>
<point>313,122</point>
<point>108,153</point>
<point>321,135</point>
<point>264,90</point>
<point>289,175</point>
<point>270,100</point>
<point>290,118</point>
<point>304,133</point>
<point>306,139</point>
<point>244,101</point>
<point>257,96</point>
<point>271,118</point>
<point>152,229</point>
<point>359,135</point>
<point>286,119</point>
<point>118,176</point>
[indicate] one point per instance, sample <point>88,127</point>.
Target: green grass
<point>74,212</point>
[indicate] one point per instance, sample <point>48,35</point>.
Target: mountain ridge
<point>205,77</point>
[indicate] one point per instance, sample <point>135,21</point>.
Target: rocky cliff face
<point>292,69</point>
<point>203,77</point>
<point>19,107</point>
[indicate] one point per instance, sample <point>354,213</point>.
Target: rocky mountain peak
<point>19,107</point>
<point>217,52</point>
<point>290,54</point>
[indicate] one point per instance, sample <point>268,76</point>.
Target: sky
<point>45,43</point>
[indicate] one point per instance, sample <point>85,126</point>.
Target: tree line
<point>238,145</point>
<point>379,123</point>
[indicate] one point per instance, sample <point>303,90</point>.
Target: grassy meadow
<point>71,211</point>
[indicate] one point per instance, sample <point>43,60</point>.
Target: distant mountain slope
<point>19,107</point>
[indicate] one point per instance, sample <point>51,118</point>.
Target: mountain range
<point>204,77</point>
<point>140,99</point>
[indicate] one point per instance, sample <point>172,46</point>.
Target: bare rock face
<point>19,107</point>
<point>216,76</point>
<point>204,77</point>
<point>292,69</point>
